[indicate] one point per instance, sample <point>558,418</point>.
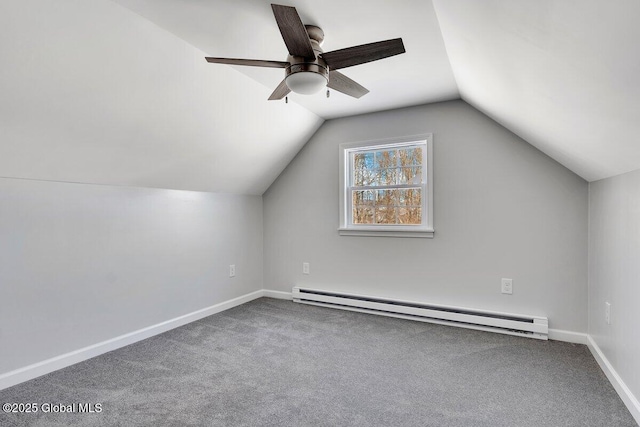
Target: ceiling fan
<point>308,69</point>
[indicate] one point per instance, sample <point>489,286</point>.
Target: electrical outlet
<point>507,286</point>
<point>305,268</point>
<point>232,270</point>
<point>607,313</point>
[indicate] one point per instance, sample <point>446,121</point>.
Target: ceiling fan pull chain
<point>328,93</point>
<point>286,99</point>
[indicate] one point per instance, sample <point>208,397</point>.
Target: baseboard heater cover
<point>504,323</point>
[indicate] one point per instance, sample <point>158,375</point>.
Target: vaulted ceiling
<point>247,29</point>
<point>564,75</point>
<point>118,91</point>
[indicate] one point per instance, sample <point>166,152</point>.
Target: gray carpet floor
<point>277,363</point>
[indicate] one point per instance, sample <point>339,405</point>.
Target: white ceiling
<point>92,93</point>
<point>247,29</point>
<point>118,91</point>
<point>562,74</point>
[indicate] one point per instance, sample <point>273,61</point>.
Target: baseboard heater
<point>504,323</point>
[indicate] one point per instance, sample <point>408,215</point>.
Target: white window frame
<point>347,228</point>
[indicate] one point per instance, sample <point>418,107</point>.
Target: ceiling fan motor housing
<point>307,83</point>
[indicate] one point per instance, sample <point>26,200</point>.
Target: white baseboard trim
<point>277,294</point>
<point>623,391</point>
<point>567,336</point>
<point>41,368</point>
<point>46,366</point>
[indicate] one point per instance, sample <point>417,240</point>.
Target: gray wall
<point>80,264</point>
<point>614,272</point>
<point>502,209</point>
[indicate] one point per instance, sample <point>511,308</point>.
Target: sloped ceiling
<point>90,92</point>
<point>117,91</point>
<point>562,74</point>
<point>247,29</point>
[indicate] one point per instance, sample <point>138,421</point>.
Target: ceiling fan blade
<point>342,83</point>
<point>250,62</point>
<point>355,55</point>
<point>293,31</point>
<point>281,91</point>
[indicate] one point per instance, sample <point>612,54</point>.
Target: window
<point>386,188</point>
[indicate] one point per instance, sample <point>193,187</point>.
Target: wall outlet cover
<point>507,286</point>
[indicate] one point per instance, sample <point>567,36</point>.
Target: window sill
<point>385,232</point>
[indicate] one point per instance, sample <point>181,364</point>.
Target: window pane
<point>410,156</point>
<point>363,197</point>
<point>374,177</point>
<point>364,169</point>
<point>410,197</point>
<point>387,197</point>
<point>386,159</point>
<point>410,175</point>
<point>410,215</point>
<point>386,177</point>
<point>362,214</point>
<point>363,160</point>
<point>385,215</point>
<point>364,177</point>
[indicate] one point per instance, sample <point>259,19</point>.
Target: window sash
<point>351,171</point>
<point>374,205</point>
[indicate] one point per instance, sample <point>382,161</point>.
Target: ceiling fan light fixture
<point>306,83</point>
<point>308,69</point>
